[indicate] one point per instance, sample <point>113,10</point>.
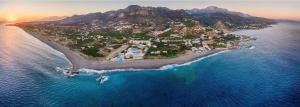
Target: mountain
<point>214,9</point>
<point>214,16</point>
<point>160,16</point>
<point>51,18</point>
<point>133,14</point>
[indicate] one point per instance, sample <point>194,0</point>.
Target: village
<point>124,41</point>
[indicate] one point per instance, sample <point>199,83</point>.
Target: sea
<point>266,75</point>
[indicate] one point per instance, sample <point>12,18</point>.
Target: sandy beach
<point>79,62</point>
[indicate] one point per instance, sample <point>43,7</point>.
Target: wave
<point>166,67</point>
<point>92,71</point>
<point>191,62</point>
<point>59,69</point>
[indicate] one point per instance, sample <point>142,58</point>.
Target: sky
<point>27,10</point>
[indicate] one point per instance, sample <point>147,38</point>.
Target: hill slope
<point>133,14</point>
<point>213,16</point>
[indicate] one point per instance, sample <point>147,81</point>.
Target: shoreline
<point>154,69</point>
<point>79,62</point>
<point>73,57</point>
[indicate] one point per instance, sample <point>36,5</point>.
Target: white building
<point>138,42</point>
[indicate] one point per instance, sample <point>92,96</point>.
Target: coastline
<point>170,66</point>
<point>74,58</point>
<point>79,62</point>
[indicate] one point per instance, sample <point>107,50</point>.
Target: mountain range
<point>133,14</point>
<point>153,16</point>
<point>212,16</point>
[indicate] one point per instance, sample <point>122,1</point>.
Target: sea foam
<point>166,67</point>
<point>191,62</point>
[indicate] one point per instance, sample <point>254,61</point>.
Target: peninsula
<point>143,37</point>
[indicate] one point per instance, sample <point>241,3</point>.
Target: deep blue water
<point>268,75</point>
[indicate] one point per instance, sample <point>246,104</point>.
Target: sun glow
<point>11,18</point>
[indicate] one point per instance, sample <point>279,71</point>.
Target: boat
<point>248,46</point>
<point>102,79</point>
<point>69,73</point>
<point>252,47</point>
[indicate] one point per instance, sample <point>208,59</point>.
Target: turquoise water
<point>268,75</point>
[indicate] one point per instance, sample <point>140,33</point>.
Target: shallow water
<point>268,75</point>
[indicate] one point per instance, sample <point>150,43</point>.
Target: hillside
<point>133,14</point>
<point>156,32</point>
<point>160,16</point>
<point>211,16</point>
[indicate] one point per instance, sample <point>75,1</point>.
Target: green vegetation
<point>89,39</point>
<point>189,23</point>
<point>166,50</point>
<point>188,36</point>
<point>141,36</point>
<point>117,35</point>
<point>225,39</point>
<point>73,35</point>
<point>94,33</point>
<point>80,43</point>
<point>92,52</point>
<point>184,48</point>
<point>216,45</point>
<point>230,37</point>
<point>169,54</point>
<point>167,34</point>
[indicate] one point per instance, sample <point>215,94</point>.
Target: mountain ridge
<point>132,14</point>
<point>215,9</point>
<point>153,16</point>
<point>213,15</point>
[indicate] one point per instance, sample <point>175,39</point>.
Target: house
<point>134,53</point>
<point>157,33</point>
<point>139,42</point>
<point>175,35</point>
